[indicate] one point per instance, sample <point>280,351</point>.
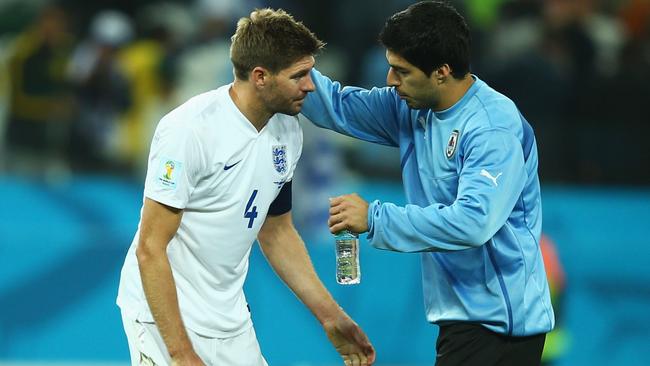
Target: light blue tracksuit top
<point>474,209</point>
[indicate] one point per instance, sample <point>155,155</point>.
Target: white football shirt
<point>209,160</point>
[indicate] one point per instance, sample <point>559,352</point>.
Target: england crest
<point>279,153</point>
<point>452,143</point>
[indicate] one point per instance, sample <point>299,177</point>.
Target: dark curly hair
<point>429,34</point>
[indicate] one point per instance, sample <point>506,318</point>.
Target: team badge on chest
<point>452,143</point>
<point>279,154</point>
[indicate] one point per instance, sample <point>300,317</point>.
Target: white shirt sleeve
<point>174,164</point>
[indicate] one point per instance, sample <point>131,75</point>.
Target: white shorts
<point>148,349</point>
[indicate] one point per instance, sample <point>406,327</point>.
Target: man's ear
<point>260,76</point>
<point>441,73</point>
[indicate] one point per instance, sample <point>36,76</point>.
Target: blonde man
<point>234,151</point>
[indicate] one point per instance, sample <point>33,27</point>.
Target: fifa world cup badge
<point>169,171</point>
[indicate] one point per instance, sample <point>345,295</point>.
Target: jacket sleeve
<point>490,183</point>
<point>370,115</point>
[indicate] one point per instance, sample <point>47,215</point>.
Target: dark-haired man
<point>469,166</point>
<point>219,176</point>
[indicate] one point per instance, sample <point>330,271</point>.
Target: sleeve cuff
<point>168,201</point>
<point>372,209</point>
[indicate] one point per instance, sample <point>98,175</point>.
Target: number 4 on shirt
<point>251,213</point>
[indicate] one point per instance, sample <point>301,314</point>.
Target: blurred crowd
<point>83,83</point>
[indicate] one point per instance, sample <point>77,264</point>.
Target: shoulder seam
<point>484,109</point>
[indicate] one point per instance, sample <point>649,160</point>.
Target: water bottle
<point>348,271</point>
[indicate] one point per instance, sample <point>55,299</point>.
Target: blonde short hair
<point>272,39</point>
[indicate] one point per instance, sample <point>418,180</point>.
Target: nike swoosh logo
<point>226,167</point>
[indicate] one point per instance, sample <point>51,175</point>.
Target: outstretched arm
<point>158,226</point>
<point>372,115</point>
<point>286,252</point>
<point>490,183</point>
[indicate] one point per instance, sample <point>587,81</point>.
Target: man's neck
<point>247,101</point>
<point>456,89</point>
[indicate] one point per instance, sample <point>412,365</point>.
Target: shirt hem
<point>146,317</point>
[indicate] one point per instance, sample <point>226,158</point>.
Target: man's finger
<point>337,227</point>
<point>347,361</point>
<point>334,201</point>
<point>367,349</point>
<point>363,360</point>
<point>335,219</point>
<point>354,358</point>
<point>335,210</point>
<point>370,353</point>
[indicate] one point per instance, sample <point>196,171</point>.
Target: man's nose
<point>391,78</point>
<point>309,85</point>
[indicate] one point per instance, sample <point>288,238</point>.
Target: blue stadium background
<point>63,247</point>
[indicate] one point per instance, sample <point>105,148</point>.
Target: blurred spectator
<point>149,68</point>
<point>529,62</point>
<point>578,69</point>
<point>563,63</point>
<point>205,63</point>
<point>40,101</point>
<point>357,34</point>
<point>627,95</point>
<point>102,90</point>
<point>635,14</point>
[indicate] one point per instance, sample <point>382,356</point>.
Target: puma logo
<point>486,174</point>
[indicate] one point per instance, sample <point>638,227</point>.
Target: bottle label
<point>347,259</point>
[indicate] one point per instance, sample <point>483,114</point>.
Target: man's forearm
<point>287,254</point>
<point>160,291</point>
